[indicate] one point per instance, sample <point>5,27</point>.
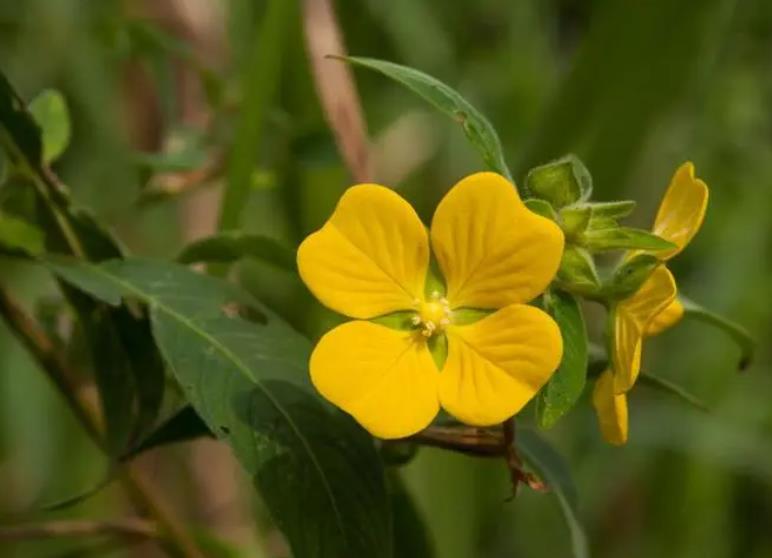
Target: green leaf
<point>260,87</point>
<point>49,110</point>
<point>317,470</point>
<point>478,130</point>
<point>19,235</point>
<point>19,132</point>
<point>229,247</point>
<point>126,363</point>
<point>565,387</point>
<point>735,331</point>
<point>623,238</point>
<point>666,386</point>
<point>561,182</point>
<point>552,468</point>
<point>185,424</point>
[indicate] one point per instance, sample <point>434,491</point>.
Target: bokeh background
<point>155,88</point>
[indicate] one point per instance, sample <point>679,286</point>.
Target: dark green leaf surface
<point>185,424</point>
<point>49,110</point>
<point>553,469</point>
<point>478,130</point>
<point>232,246</point>
<point>566,385</point>
<point>317,471</point>
<point>20,134</point>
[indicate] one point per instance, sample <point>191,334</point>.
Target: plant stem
<point>130,527</point>
<point>260,87</point>
<point>177,540</point>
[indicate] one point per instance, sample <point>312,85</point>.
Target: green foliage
<point>18,234</point>
<point>566,385</point>
<point>249,382</point>
<point>49,110</point>
<point>480,133</point>
<point>230,247</point>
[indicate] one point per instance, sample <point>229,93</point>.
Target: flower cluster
<point>653,307</point>
<point>441,317</point>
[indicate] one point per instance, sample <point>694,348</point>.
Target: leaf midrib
<point>243,368</point>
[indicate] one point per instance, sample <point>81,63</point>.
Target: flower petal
<point>493,251</point>
<point>666,319</point>
<point>497,364</point>
<point>385,378</point>
<point>611,410</point>
<point>370,258</point>
<point>631,318</point>
<point>682,210</point>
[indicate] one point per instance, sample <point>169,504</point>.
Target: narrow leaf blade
<point>229,247</point>
<point>477,128</point>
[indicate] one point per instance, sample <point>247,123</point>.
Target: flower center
<point>433,315</point>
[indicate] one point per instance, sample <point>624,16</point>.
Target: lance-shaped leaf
<point>316,469</point>
<point>560,394</point>
<point>478,130</point>
<point>229,247</point>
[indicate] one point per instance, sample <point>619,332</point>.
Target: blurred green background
<point>634,88</point>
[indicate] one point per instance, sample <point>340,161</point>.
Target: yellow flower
<point>653,307</point>
<point>372,258</point>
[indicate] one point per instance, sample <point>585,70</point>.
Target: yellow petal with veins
<point>631,317</point>
<point>611,410</point>
<point>385,378</point>
<point>682,210</point>
<point>493,251</point>
<point>497,364</point>
<point>370,258</point>
<point>666,319</point>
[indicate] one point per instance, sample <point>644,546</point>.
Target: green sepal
<point>623,238</point>
<point>629,276</point>
<point>736,332</point>
<point>575,219</point>
<point>542,207</point>
<point>402,320</point>
<point>465,316</point>
<point>577,273</point>
<point>561,182</point>
<point>438,348</point>
<point>612,210</point>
